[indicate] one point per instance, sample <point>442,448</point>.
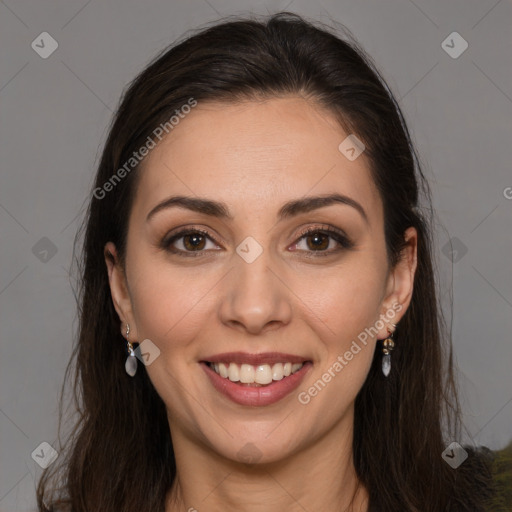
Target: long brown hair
<point>119,454</point>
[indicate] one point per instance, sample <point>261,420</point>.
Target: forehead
<point>253,154</point>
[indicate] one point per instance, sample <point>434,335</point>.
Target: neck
<point>320,477</point>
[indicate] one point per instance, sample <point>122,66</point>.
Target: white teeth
<point>277,371</point>
<point>247,373</point>
<point>261,374</point>
<point>233,372</point>
<point>223,370</point>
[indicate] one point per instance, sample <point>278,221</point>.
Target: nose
<point>256,298</point>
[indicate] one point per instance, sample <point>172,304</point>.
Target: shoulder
<point>490,473</point>
<point>501,468</point>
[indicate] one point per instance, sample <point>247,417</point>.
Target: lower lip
<point>256,396</point>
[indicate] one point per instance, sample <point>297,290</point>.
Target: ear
<point>119,291</point>
<point>400,284</point>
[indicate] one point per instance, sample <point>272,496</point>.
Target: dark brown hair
<point>119,453</point>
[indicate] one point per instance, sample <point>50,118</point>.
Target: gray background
<point>55,114</point>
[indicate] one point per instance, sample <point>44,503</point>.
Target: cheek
<point>344,307</point>
<point>345,300</point>
<point>346,310</point>
<point>169,309</point>
<point>168,302</point>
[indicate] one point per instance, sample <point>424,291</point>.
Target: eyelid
<point>323,228</point>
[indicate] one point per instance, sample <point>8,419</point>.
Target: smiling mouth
<point>255,375</point>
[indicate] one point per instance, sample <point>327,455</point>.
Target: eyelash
<point>335,234</point>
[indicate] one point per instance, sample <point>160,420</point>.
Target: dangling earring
<point>131,361</point>
<point>387,346</point>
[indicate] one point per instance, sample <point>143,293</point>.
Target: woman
<point>259,324</point>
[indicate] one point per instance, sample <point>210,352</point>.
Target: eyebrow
<point>289,209</point>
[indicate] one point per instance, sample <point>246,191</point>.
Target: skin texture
<point>255,156</point>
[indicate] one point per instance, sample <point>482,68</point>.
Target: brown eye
<point>194,241</point>
<point>187,242</point>
<point>322,242</point>
<point>318,241</point>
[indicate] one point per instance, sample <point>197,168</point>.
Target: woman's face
<point>255,294</point>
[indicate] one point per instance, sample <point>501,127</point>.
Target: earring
<point>131,361</point>
<point>387,346</point>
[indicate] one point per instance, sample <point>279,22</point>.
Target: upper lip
<point>254,359</point>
